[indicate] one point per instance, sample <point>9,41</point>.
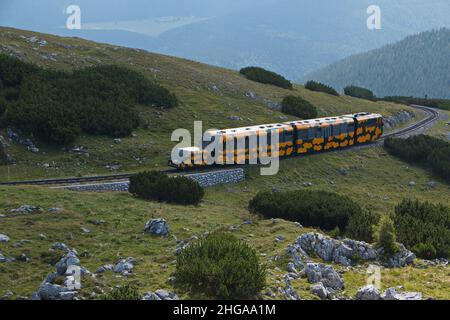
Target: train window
<point>311,133</point>
<point>327,131</point>
<point>318,132</point>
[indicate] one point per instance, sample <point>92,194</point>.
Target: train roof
<point>348,118</point>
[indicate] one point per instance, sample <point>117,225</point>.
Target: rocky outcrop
<point>319,272</point>
<point>398,118</point>
<point>320,291</point>
<point>66,281</point>
<point>27,209</point>
<point>346,252</point>
<point>369,292</point>
<point>160,295</point>
<point>157,227</point>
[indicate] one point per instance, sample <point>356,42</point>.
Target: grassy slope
<point>194,84</point>
<point>374,179</point>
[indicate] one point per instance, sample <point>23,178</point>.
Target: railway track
<point>432,116</point>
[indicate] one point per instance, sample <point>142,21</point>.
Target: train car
<point>295,138</point>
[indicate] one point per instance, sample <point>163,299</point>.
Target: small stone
<point>4,238</point>
<point>55,210</point>
<point>85,230</point>
<point>412,183</point>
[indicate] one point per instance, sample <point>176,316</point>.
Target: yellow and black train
<point>295,138</point>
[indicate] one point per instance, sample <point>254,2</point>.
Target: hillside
<point>108,226</point>
<point>220,98</point>
<point>416,66</point>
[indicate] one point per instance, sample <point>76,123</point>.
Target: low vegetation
<point>425,150</point>
<point>424,227</point>
<point>384,235</point>
<point>267,77</point>
<point>320,87</point>
<point>326,210</point>
<point>56,106</point>
<point>298,107</point>
<point>126,292</point>
<point>359,92</point>
<point>3,159</point>
<point>155,185</point>
<point>221,267</point>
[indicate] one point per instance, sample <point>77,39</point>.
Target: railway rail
<point>432,116</point>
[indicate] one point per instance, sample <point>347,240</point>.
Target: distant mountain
<point>291,37</point>
<point>416,66</point>
<point>294,37</point>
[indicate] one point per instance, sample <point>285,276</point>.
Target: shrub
<point>155,185</point>
<point>221,267</point>
<point>126,292</point>
<point>57,106</point>
<point>424,251</point>
<point>359,92</point>
<point>361,226</point>
<point>319,209</point>
<point>298,107</point>
<point>320,87</point>
<point>267,77</point>
<point>424,227</point>
<point>425,150</point>
<point>384,235</point>
<point>3,158</point>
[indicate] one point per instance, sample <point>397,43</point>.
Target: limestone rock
<point>158,227</point>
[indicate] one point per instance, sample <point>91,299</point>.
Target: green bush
<point>296,106</point>
<point>320,87</point>
<point>126,292</point>
<point>57,106</point>
<point>425,150</point>
<point>424,251</point>
<point>317,209</point>
<point>155,185</point>
<point>361,226</point>
<point>221,267</point>
<point>359,92</point>
<point>3,158</point>
<point>384,235</point>
<point>267,77</point>
<point>424,227</point>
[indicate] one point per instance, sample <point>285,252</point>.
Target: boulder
<point>319,272</point>
<point>27,209</point>
<point>104,268</point>
<point>70,259</point>
<point>160,294</point>
<point>60,246</point>
<point>368,292</point>
<point>392,294</point>
<point>158,227</point>
<point>4,238</point>
<point>125,266</point>
<point>49,291</point>
<point>320,291</point>
<point>400,259</point>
